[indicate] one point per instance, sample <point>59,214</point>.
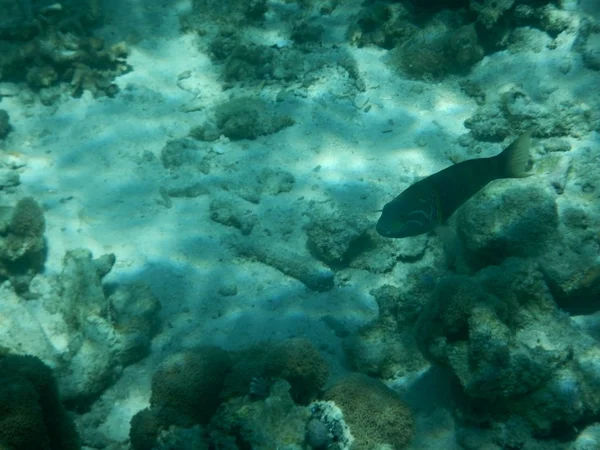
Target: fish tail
<point>514,160</point>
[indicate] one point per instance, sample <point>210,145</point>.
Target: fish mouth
<point>385,232</point>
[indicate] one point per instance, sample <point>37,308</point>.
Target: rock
<point>500,221</point>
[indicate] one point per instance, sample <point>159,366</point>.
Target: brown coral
<point>186,386</point>
<point>301,364</point>
<point>376,415</point>
<point>27,219</point>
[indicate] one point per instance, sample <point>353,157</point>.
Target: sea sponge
<point>186,386</point>
<point>376,415</point>
<point>301,364</point>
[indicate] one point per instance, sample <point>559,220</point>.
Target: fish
<point>429,203</point>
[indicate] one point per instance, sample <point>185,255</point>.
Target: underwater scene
<point>300,225</point>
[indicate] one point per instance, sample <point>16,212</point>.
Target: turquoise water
<point>188,209</point>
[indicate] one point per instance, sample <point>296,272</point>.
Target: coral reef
<point>433,54</point>
<point>91,338</point>
<point>45,44</point>
<point>298,362</point>
<point>220,391</point>
<point>186,386</point>
<point>385,347</point>
<point>588,44</point>
<point>375,414</point>
<point>489,11</point>
<point>501,222</point>
<point>335,238</point>
<point>176,438</point>
<point>242,118</point>
<point>22,243</point>
<point>513,111</point>
<point>274,422</point>
<point>295,360</point>
<point>295,63</point>
<point>144,429</point>
<point>31,414</point>
<point>235,13</point>
<point>382,24</point>
<point>133,312</point>
<point>5,126</point>
<point>327,428</point>
<point>515,354</point>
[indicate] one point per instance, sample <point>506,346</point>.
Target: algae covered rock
<point>264,424</point>
<point>514,111</point>
<point>335,239</point>
<point>386,347</point>
<point>243,118</point>
<point>134,313</point>
<point>510,347</point>
<point>91,338</point>
<point>433,54</point>
<point>498,223</point>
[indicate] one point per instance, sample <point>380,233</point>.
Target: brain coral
<point>186,386</point>
<point>31,414</point>
<point>376,415</point>
<point>301,364</point>
<point>144,429</point>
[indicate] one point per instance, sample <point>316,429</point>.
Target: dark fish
<point>430,202</point>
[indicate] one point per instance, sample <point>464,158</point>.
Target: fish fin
<point>515,158</point>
